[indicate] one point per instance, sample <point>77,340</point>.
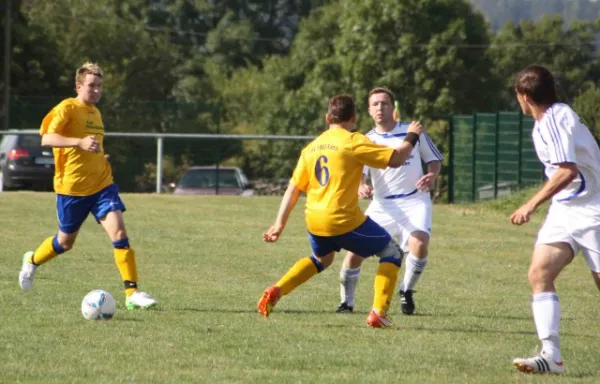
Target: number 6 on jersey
<point>321,171</point>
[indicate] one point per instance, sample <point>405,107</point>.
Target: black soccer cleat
<point>344,308</point>
<point>407,303</point>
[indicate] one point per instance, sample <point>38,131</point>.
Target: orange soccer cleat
<point>268,300</point>
<point>378,321</point>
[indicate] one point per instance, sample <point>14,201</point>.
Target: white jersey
<point>397,183</point>
<point>562,137</point>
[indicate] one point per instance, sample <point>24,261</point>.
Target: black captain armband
<point>412,138</point>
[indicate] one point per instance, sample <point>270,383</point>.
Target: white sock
<point>413,270</point>
<point>348,281</point>
<point>546,314</point>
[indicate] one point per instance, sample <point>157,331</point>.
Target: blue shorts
<point>73,210</point>
<point>366,240</point>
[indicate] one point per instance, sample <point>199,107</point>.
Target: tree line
<point>269,67</point>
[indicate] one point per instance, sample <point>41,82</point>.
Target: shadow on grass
<point>482,316</point>
<point>396,317</point>
<point>437,314</point>
<point>580,375</point>
<point>119,319</point>
<point>493,331</point>
<point>276,312</point>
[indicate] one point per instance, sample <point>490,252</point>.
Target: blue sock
<point>121,244</point>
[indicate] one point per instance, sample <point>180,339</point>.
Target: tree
<point>586,105</point>
<point>33,64</point>
<point>500,12</point>
<point>429,52</point>
<point>569,52</point>
<point>416,47</point>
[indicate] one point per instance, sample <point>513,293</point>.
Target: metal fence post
<point>474,159</point>
<point>218,126</point>
<point>451,168</point>
<point>496,154</point>
<point>159,163</point>
<point>520,149</point>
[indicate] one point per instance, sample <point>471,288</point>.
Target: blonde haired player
<point>83,183</point>
<point>571,158</point>
<point>401,201</point>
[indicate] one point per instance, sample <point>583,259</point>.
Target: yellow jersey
<point>329,171</point>
<point>77,172</point>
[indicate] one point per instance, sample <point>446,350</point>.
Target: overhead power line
<point>180,32</point>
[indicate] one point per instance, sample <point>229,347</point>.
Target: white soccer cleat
<point>27,273</point>
<point>539,364</point>
<point>140,300</point>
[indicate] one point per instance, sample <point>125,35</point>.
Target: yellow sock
<point>303,270</point>
<point>125,259</point>
<point>385,282</point>
<point>44,253</point>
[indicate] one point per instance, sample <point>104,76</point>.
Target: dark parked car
<point>203,181</point>
<point>24,163</point>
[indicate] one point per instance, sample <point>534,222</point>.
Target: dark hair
<point>341,109</point>
<point>538,83</point>
<point>385,90</point>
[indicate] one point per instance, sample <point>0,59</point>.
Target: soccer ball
<point>98,305</point>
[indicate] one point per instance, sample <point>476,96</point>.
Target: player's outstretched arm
<point>288,202</point>
<point>89,143</point>
<point>402,152</point>
<point>563,176</point>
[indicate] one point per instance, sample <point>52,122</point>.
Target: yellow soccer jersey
<point>77,172</point>
<point>329,171</point>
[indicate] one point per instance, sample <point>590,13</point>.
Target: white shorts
<point>401,217</point>
<point>578,226</point>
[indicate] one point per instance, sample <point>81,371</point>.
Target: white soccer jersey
<point>562,137</point>
<point>397,183</point>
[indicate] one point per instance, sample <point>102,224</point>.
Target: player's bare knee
<point>534,275</point>
<point>540,279</point>
<point>66,244</point>
<point>120,234</point>
<point>419,244</point>
<point>66,241</point>
<point>352,261</point>
<point>420,249</point>
<point>596,276</point>
<point>324,261</point>
<point>391,253</point>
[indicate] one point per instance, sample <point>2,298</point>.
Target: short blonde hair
<point>87,68</point>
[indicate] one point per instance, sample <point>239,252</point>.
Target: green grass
<point>508,204</point>
<point>204,259</point>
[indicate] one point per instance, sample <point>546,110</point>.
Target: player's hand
<point>522,215</point>
<point>426,182</point>
<point>416,127</point>
<point>365,191</point>
<point>272,235</point>
<point>90,144</point>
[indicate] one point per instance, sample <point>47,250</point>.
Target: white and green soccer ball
<point>98,305</point>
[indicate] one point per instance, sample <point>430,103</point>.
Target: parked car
<point>24,163</point>
<point>203,181</point>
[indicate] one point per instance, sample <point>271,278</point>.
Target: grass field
<point>204,259</point>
